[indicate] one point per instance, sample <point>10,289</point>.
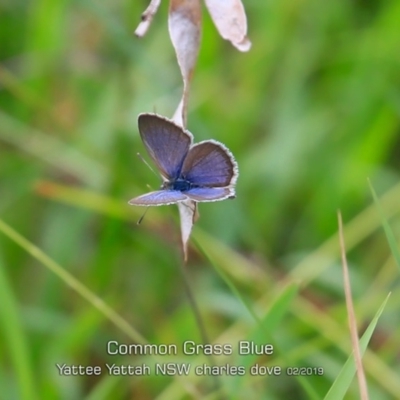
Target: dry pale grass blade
<point>147,17</point>
<point>184,22</point>
<point>362,383</point>
<point>230,19</point>
<point>188,215</point>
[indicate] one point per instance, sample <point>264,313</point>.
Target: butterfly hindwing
<point>210,164</point>
<point>210,194</point>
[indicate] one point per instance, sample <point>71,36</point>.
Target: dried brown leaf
<point>188,215</point>
<point>184,24</point>
<point>230,19</point>
<point>147,17</point>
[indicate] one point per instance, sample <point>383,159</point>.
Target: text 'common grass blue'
<point>205,171</point>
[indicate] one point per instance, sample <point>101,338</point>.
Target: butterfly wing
<point>159,198</point>
<point>166,143</point>
<point>211,194</point>
<point>210,164</point>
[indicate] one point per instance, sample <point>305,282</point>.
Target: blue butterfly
<point>205,171</point>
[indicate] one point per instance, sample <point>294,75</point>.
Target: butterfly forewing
<point>210,164</point>
<point>166,143</point>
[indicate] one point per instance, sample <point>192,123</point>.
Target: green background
<point>310,113</point>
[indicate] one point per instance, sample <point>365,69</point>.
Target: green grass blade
<point>263,333</point>
<point>386,227</point>
<point>346,375</point>
<point>52,150</point>
<point>105,388</point>
<point>17,342</point>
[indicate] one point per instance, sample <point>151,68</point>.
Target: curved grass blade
<point>71,281</point>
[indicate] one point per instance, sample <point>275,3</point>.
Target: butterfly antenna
<point>151,169</point>
<point>141,218</point>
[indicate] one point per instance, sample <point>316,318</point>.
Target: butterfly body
<point>202,172</point>
<point>179,184</point>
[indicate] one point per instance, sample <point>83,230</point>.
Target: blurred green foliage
<point>310,113</point>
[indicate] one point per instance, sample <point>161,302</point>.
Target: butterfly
<point>202,172</point>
